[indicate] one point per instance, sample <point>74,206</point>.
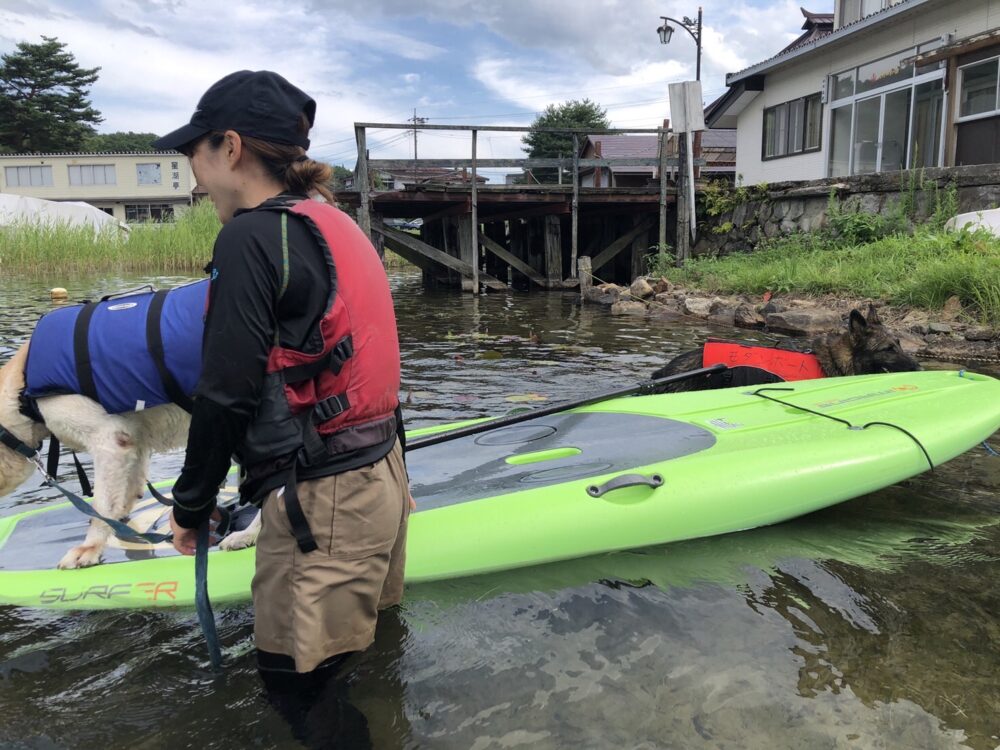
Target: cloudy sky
<point>454,61</point>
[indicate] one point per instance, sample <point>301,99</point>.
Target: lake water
<point>873,624</point>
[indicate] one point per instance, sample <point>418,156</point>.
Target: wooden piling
<point>364,218</point>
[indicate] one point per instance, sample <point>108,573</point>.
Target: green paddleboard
<point>622,474</point>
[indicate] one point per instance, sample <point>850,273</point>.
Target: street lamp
<point>692,27</point>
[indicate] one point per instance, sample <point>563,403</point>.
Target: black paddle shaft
<point>494,424</point>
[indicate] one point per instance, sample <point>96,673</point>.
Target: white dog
<point>120,445</point>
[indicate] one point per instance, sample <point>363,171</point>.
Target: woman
<point>300,381</point>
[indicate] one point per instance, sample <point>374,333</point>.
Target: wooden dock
<point>529,236</point>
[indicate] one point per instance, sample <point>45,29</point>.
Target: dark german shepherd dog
<point>867,347</point>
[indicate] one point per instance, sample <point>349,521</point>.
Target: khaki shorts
<point>313,606</point>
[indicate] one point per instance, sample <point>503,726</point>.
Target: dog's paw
<point>239,540</point>
<point>81,557</point>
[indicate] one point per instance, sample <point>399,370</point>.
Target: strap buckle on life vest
<point>342,351</point>
<point>331,407</point>
<point>334,361</point>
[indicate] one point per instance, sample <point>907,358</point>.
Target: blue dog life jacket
<point>127,353</point>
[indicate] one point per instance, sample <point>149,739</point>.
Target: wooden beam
<point>408,164</point>
<point>364,218</point>
<point>474,238</point>
<point>394,238</point>
<point>620,244</point>
<point>662,238</point>
<point>516,263</point>
<point>553,249</point>
<point>575,218</point>
<point>504,128</point>
<point>524,213</point>
<point>409,246</point>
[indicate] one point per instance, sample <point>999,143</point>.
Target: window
<point>92,174</point>
<point>148,174</point>
<point>887,115</point>
<point>883,72</point>
<point>28,176</point>
<point>136,212</point>
<point>979,88</point>
<point>792,127</point>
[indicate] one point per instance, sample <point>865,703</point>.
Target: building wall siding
<point>126,188</point>
<point>806,76</point>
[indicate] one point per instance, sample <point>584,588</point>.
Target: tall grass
<point>923,269</point>
<point>177,246</point>
<point>181,245</point>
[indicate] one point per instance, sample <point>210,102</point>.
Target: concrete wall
<point>790,207</point>
<point>807,75</point>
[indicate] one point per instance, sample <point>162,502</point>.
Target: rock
<point>803,322</point>
<point>939,328</point>
<point>746,317</point>
<point>982,334</point>
<point>597,296</point>
<point>662,285</point>
<point>722,315</point>
<point>700,306</point>
<point>628,307</point>
<point>952,308</point>
<point>641,289</point>
<point>910,343</point>
<point>914,319</point>
<point>666,299</point>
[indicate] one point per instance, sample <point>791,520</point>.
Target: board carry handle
<point>625,480</point>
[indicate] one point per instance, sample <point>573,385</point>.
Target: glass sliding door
<point>840,141</point>
<point>895,130</point>
<point>928,108</point>
<point>866,142</point>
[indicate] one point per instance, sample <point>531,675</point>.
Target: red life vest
<point>343,396</point>
<point>769,363</point>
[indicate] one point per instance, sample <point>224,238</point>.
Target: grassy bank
<point>179,246</point>
<point>922,269</point>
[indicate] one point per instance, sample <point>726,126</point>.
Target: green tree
<point>572,114</point>
<point>43,99</point>
<point>120,141</point>
<point>340,175</point>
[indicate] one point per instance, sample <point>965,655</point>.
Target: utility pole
<point>416,121</point>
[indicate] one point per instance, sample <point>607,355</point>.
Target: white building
<point>890,85</point>
<point>131,187</point>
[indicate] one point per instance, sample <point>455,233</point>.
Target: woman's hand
<point>186,540</point>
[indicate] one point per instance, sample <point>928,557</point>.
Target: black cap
<point>259,104</point>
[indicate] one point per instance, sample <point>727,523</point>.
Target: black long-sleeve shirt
<point>247,313</point>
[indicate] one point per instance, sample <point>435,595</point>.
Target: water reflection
<point>869,624</point>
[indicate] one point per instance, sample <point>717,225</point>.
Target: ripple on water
<point>860,626</point>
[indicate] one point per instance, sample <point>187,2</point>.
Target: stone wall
<point>788,207</point>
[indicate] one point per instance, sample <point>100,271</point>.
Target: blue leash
<point>203,606</point>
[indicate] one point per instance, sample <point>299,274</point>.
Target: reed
<point>182,245</point>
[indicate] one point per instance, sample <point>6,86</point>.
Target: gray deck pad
<point>460,470</point>
<point>476,467</point>
<point>39,541</point>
